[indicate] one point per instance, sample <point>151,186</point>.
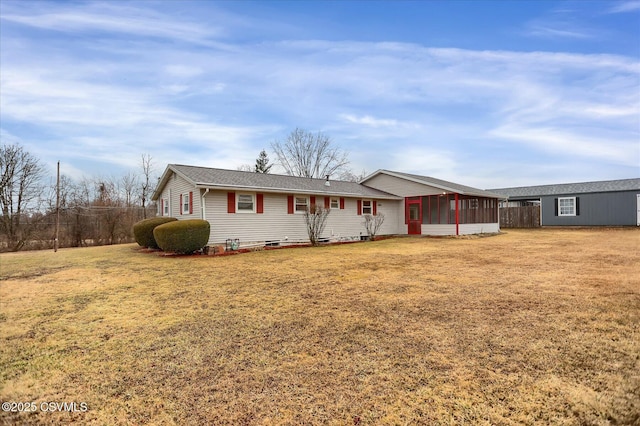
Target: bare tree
<point>245,168</point>
<point>81,224</point>
<point>315,217</point>
<point>129,186</point>
<point>372,224</point>
<point>349,176</point>
<point>20,188</point>
<point>147,189</point>
<point>310,155</point>
<point>112,211</point>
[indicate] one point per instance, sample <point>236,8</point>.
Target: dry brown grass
<point>528,327</point>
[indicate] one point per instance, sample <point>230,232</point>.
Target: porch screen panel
<point>433,209</point>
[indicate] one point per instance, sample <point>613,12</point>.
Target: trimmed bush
<point>183,236</point>
<point>143,230</point>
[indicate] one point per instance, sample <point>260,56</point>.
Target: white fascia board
<point>164,179</point>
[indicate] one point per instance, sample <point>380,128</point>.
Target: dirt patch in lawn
<point>526,327</point>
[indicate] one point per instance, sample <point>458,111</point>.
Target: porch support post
<point>457,215</point>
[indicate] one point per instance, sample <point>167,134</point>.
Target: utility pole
<point>55,241</point>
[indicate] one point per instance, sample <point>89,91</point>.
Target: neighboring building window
<point>335,203</point>
<point>302,204</point>
<point>185,203</point>
<point>567,206</point>
<point>367,207</point>
<point>165,207</point>
<point>246,203</point>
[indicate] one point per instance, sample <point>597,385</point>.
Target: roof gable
<point>444,185</point>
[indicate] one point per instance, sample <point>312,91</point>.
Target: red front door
<point>415,218</point>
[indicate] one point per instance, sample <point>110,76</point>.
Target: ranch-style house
<point>255,207</point>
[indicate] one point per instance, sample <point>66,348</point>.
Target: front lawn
<point>527,327</point>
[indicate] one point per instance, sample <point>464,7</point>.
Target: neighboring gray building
<point>603,203</point>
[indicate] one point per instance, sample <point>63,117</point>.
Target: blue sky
<point>483,93</point>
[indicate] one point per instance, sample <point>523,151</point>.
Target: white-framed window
<point>301,204</point>
<point>335,203</point>
<point>367,207</point>
<point>185,203</point>
<point>165,207</point>
<point>246,203</point>
<point>567,206</point>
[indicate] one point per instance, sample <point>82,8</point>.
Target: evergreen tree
<point>262,163</point>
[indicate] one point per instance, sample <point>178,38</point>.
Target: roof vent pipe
<point>327,183</point>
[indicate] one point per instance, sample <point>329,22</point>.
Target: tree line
<point>92,211</point>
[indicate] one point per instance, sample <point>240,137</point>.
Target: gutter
<point>203,204</point>
<point>295,191</point>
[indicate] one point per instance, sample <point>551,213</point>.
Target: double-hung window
<point>165,207</point>
<point>335,203</point>
<point>567,206</point>
<point>301,204</point>
<point>367,207</point>
<point>246,203</point>
<point>185,203</point>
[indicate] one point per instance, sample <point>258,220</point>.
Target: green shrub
<point>183,236</point>
<point>143,230</point>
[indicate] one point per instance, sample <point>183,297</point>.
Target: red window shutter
<point>375,207</point>
<point>231,202</point>
<point>180,203</point>
<point>341,203</point>
<point>190,202</point>
<point>290,204</point>
<point>260,202</point>
<point>312,201</point>
<point>327,202</point>
<point>359,207</point>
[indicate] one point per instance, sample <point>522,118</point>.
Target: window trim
<point>337,203</point>
<point>370,207</point>
<point>253,202</point>
<point>573,206</point>
<point>295,204</point>
<point>166,211</point>
<point>185,204</point>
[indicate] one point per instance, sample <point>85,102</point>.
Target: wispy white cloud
<point>540,30</point>
<point>624,6</point>
<point>368,120</point>
<point>112,18</point>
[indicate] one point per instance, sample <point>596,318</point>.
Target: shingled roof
<point>438,183</point>
<point>206,177</point>
<point>570,188</point>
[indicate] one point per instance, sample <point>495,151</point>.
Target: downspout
<point>204,215</point>
<point>457,215</point>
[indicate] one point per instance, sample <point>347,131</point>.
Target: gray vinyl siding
<point>596,209</point>
<point>276,224</point>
